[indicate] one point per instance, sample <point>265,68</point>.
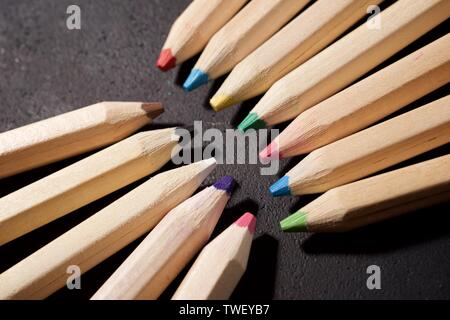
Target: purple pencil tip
<point>226,184</point>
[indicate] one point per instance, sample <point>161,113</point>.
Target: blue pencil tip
<point>226,184</point>
<point>281,187</point>
<point>196,79</point>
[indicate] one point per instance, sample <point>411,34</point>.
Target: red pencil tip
<point>166,60</point>
<point>271,152</point>
<point>247,221</point>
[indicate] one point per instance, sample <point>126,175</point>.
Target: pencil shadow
<point>288,164</point>
<point>284,166</point>
<point>18,181</point>
<point>184,70</point>
<point>258,281</point>
<point>243,109</point>
<point>215,85</point>
<point>231,214</point>
<point>302,201</point>
<point>387,236</point>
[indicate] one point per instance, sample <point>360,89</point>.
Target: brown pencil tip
<point>152,109</point>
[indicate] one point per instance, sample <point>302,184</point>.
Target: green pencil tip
<point>295,223</point>
<point>251,121</point>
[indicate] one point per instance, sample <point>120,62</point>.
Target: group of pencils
<point>180,224</point>
<point>305,58</point>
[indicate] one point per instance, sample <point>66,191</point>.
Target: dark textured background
<point>46,70</point>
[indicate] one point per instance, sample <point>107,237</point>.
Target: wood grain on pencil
<point>103,234</point>
<point>221,264</point>
<point>159,258</point>
<point>370,150</point>
<point>374,199</point>
<point>84,182</point>
<point>301,39</point>
<point>253,25</point>
<point>71,133</point>
<point>347,59</point>
<point>193,28</point>
<point>366,102</point>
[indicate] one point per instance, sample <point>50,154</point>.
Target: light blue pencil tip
<point>281,187</point>
<point>196,79</point>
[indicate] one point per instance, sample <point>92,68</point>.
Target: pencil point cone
<point>166,60</point>
<point>295,223</point>
<point>221,101</point>
<point>248,221</point>
<point>252,121</point>
<point>152,109</point>
<point>226,184</point>
<point>210,161</point>
<point>280,188</point>
<point>270,153</point>
<point>196,79</point>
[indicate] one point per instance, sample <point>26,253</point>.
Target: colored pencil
<point>103,234</point>
<point>221,264</point>
<point>253,25</point>
<point>366,102</point>
<point>193,29</point>
<point>369,151</point>
<point>347,59</point>
<point>169,247</point>
<point>71,133</point>
<point>84,182</point>
<point>374,199</point>
<point>320,25</point>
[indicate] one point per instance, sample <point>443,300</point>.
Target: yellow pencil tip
<point>221,101</point>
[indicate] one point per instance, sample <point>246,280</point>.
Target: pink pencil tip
<point>166,60</point>
<point>247,221</point>
<point>271,152</point>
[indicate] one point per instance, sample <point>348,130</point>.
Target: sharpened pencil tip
<point>281,187</point>
<point>166,60</point>
<point>221,101</point>
<point>248,221</point>
<point>270,152</point>
<point>252,121</point>
<point>226,184</point>
<point>295,223</point>
<point>196,79</point>
<point>152,109</point>
<point>210,161</point>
